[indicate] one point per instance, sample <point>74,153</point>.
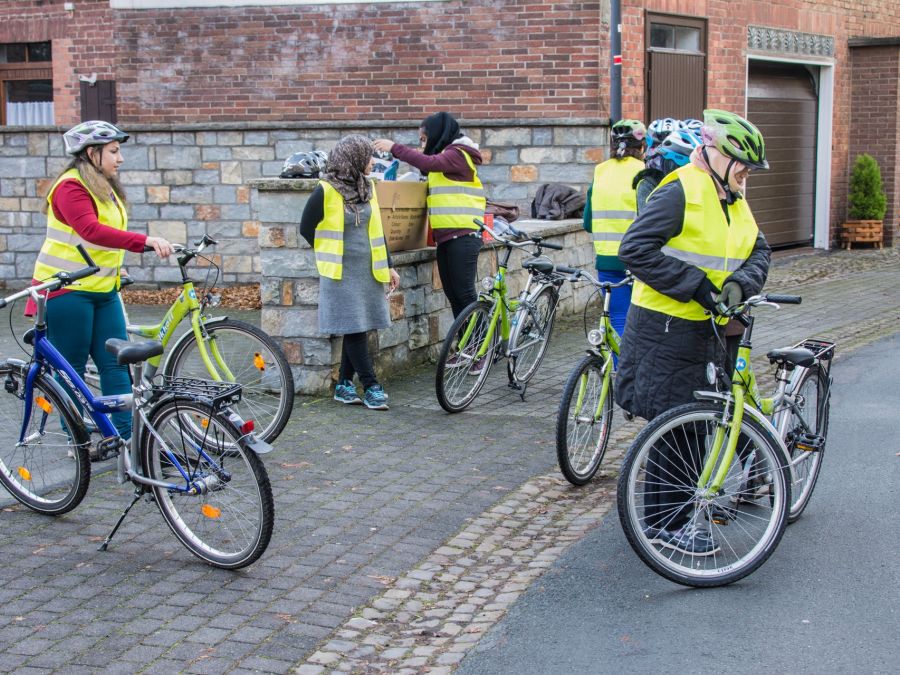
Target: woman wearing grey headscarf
<point>342,223</point>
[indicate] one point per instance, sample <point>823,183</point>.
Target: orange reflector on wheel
<point>24,473</point>
<point>259,361</point>
<point>210,511</point>
<point>204,422</point>
<point>43,404</point>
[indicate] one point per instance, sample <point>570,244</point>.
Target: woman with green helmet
<point>694,245</point>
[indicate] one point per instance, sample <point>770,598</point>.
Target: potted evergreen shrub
<point>867,204</point>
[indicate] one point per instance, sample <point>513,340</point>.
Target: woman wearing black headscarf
<point>342,223</point>
<point>455,196</point>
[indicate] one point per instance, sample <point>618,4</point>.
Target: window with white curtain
<point>26,84</point>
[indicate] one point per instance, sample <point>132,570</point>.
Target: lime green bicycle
<point>221,349</point>
<point>584,417</point>
<point>496,326</point>
<point>707,488</point>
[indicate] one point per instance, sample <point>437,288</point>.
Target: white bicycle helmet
<point>659,129</point>
<point>303,165</point>
<point>93,132</point>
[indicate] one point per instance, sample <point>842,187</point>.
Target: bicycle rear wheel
<point>258,365</point>
<point>666,517</point>
<point>460,372</point>
<point>584,420</point>
<point>811,413</point>
<point>228,521</point>
<point>531,335</point>
<point>49,471</point>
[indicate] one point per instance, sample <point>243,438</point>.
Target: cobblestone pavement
<point>400,538</point>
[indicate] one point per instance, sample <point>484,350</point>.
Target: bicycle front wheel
<point>808,416</point>
<point>49,469</point>
<point>531,335</point>
<point>584,420</point>
<point>220,504</point>
<point>258,365</point>
<point>680,530</point>
<point>461,372</point>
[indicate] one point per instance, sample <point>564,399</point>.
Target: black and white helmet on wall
<point>304,165</point>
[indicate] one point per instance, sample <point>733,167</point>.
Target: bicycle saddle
<point>133,352</point>
<point>798,356</point>
<point>541,265</point>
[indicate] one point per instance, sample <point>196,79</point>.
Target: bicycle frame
<point>186,304</point>
<point>604,344</point>
<point>47,357</point>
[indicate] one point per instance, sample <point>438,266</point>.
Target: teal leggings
<point>78,324</point>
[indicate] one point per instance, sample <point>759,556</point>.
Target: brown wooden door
<point>782,102</point>
<point>676,67</point>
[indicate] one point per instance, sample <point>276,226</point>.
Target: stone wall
<point>190,180</point>
<point>420,313</point>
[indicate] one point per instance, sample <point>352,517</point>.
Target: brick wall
<point>876,120</point>
<point>727,55</point>
<point>189,180</point>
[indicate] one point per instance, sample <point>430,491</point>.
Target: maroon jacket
<point>450,162</point>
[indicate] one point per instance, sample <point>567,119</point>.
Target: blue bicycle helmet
<point>678,146</point>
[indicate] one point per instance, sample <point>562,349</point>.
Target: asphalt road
<point>826,602</point>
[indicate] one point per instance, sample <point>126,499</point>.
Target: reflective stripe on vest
<point>706,241</point>
<point>58,252</point>
<point>613,203</point>
<point>453,204</point>
<point>329,242</point>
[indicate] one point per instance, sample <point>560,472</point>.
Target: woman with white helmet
<point>86,205</point>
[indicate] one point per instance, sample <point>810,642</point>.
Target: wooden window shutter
<point>98,100</point>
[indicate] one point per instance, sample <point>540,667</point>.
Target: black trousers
<point>457,262</point>
<point>355,359</point>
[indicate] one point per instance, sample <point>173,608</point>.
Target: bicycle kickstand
<point>512,384</point>
<point>105,544</point>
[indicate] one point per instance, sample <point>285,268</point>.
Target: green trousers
<point>78,324</point>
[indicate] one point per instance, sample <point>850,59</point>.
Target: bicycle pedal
<point>809,443</point>
<point>720,515</point>
<point>106,448</point>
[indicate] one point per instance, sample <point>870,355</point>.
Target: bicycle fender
<point>748,410</point>
<point>188,334</point>
<point>259,446</point>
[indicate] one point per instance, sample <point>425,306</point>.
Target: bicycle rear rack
<point>822,350</point>
<point>219,395</point>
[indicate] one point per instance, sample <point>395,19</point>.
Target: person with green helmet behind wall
<point>694,245</point>
<point>86,205</point>
<point>612,207</point>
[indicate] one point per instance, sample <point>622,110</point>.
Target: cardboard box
<point>403,214</point>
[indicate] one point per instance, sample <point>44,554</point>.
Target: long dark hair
<point>100,186</point>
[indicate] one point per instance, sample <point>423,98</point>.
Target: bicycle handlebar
<point>606,285</point>
<point>737,311</point>
<point>507,241</point>
<point>784,299</point>
<point>59,280</point>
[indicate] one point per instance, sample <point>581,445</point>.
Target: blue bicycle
<point>189,451</point>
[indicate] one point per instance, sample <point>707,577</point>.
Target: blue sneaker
<point>375,398</point>
<point>345,392</point>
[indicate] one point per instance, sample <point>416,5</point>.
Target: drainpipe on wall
<point>615,66</point>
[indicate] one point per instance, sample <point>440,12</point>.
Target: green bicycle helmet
<point>734,137</point>
<point>631,132</point>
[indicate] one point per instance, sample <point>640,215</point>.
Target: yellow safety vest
<point>329,242</point>
<point>706,241</point>
<point>452,204</point>
<point>58,252</point>
<point>613,203</point>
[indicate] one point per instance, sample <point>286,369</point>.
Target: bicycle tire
<point>267,399</point>
<point>746,526</point>
<point>581,436</point>
<point>41,474</point>
<point>805,465</point>
<point>535,325</point>
<point>202,522</point>
<point>455,383</point>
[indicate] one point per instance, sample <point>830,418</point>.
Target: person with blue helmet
<point>671,153</point>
